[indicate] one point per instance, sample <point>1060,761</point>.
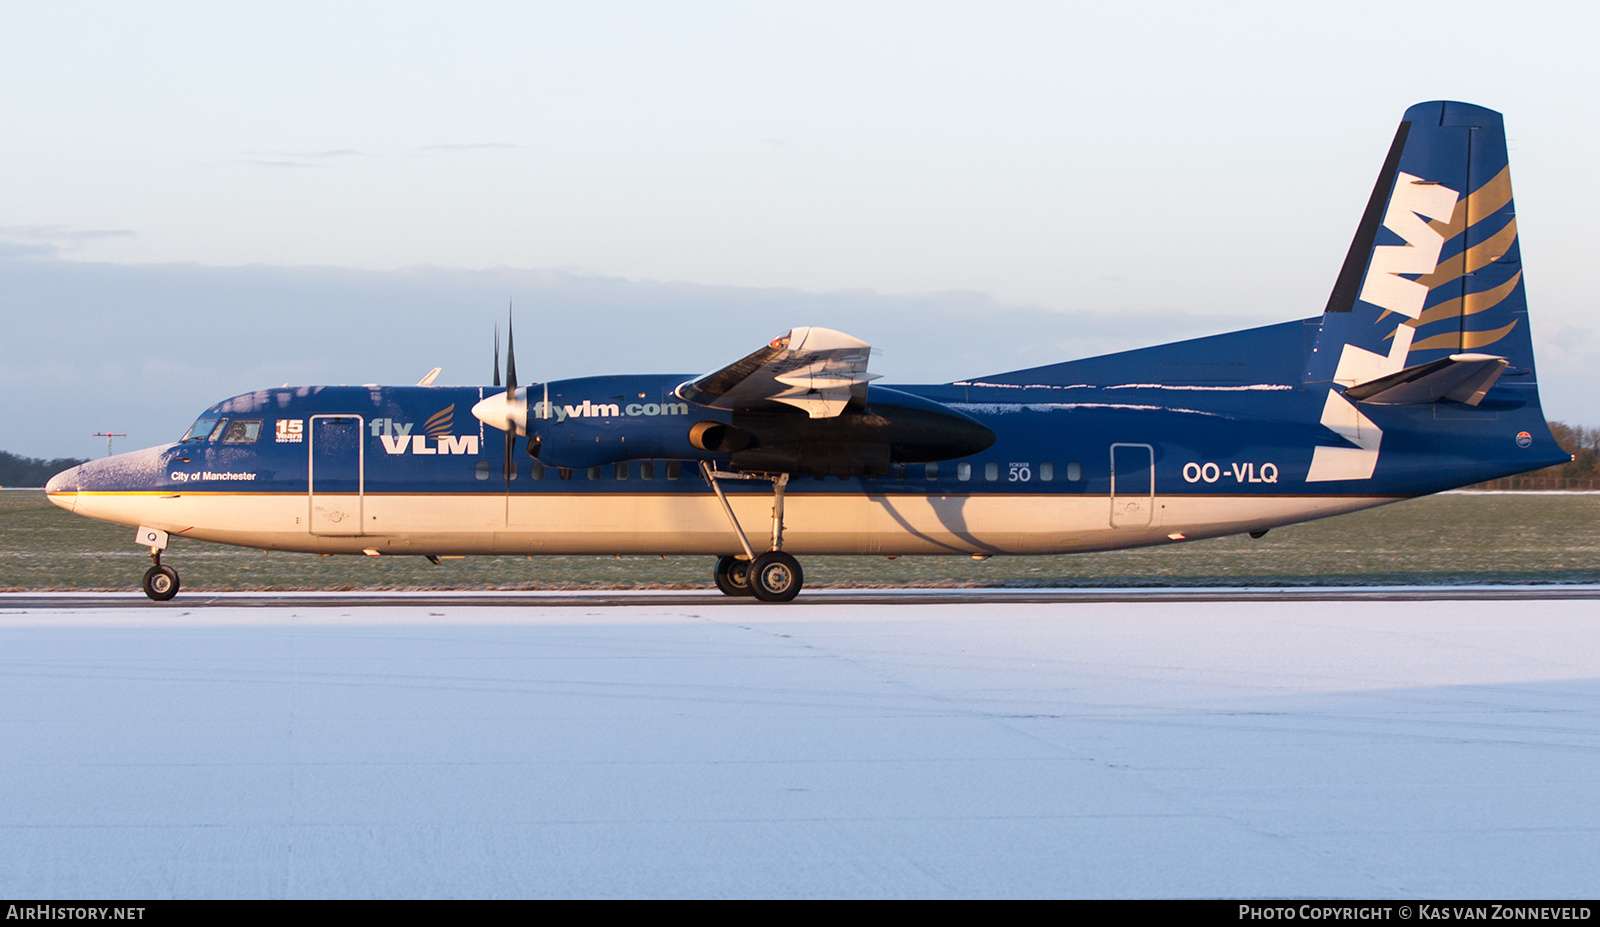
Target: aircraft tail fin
<point>1435,269</point>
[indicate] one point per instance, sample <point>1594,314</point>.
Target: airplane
<point>1417,377</point>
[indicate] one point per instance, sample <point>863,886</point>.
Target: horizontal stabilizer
<point>1463,378</point>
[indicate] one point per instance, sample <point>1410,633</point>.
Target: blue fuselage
<point>1140,448</point>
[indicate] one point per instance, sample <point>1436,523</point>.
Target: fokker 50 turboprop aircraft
<point>1417,377</point>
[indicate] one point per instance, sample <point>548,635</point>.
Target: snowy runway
<point>1103,749</point>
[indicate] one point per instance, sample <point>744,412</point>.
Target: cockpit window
<point>242,432</point>
<point>201,430</point>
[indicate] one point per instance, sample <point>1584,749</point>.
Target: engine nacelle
<point>893,427</point>
<point>594,421</point>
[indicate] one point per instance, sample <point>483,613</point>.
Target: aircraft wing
<point>817,370</point>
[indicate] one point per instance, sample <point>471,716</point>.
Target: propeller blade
<point>511,356</point>
<point>497,354</point>
<point>511,396</point>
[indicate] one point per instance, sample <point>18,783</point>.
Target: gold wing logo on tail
<point>1458,308</point>
<point>1484,202</point>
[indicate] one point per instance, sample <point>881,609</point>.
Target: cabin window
<point>200,430</point>
<point>931,471</point>
<point>564,472</point>
<point>647,470</point>
<point>963,472</point>
<point>1047,472</point>
<point>1074,472</point>
<point>594,473</point>
<point>991,471</point>
<point>511,470</point>
<point>622,471</point>
<point>481,470</point>
<point>535,470</point>
<point>673,468</point>
<point>242,432</point>
<point>899,471</point>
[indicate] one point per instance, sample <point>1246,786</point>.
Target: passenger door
<point>1133,485</point>
<point>336,474</point>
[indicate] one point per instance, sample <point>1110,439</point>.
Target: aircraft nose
<point>65,481</point>
<point>62,489</point>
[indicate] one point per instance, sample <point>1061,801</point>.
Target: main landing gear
<point>775,577</point>
<point>771,577</point>
<point>733,576</point>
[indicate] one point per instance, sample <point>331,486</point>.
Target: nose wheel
<point>161,582</point>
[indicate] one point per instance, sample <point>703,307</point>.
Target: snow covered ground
<point>1106,749</point>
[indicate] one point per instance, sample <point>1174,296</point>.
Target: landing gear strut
<point>771,577</point>
<point>160,582</point>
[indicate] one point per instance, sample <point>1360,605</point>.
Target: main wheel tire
<point>733,576</point>
<point>775,577</point>
<point>161,583</point>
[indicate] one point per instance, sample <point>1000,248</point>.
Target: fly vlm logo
<point>398,439</point>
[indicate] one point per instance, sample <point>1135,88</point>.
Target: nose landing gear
<point>160,582</point>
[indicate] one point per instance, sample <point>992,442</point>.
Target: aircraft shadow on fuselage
<point>951,512</point>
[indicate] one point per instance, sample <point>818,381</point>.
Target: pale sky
<point>1191,162</point>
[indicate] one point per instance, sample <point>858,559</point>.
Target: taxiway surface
<point>847,747</point>
<point>612,598</point>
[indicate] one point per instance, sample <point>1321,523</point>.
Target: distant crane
<point>108,435</point>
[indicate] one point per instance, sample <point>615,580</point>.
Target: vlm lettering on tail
<point>1417,377</point>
